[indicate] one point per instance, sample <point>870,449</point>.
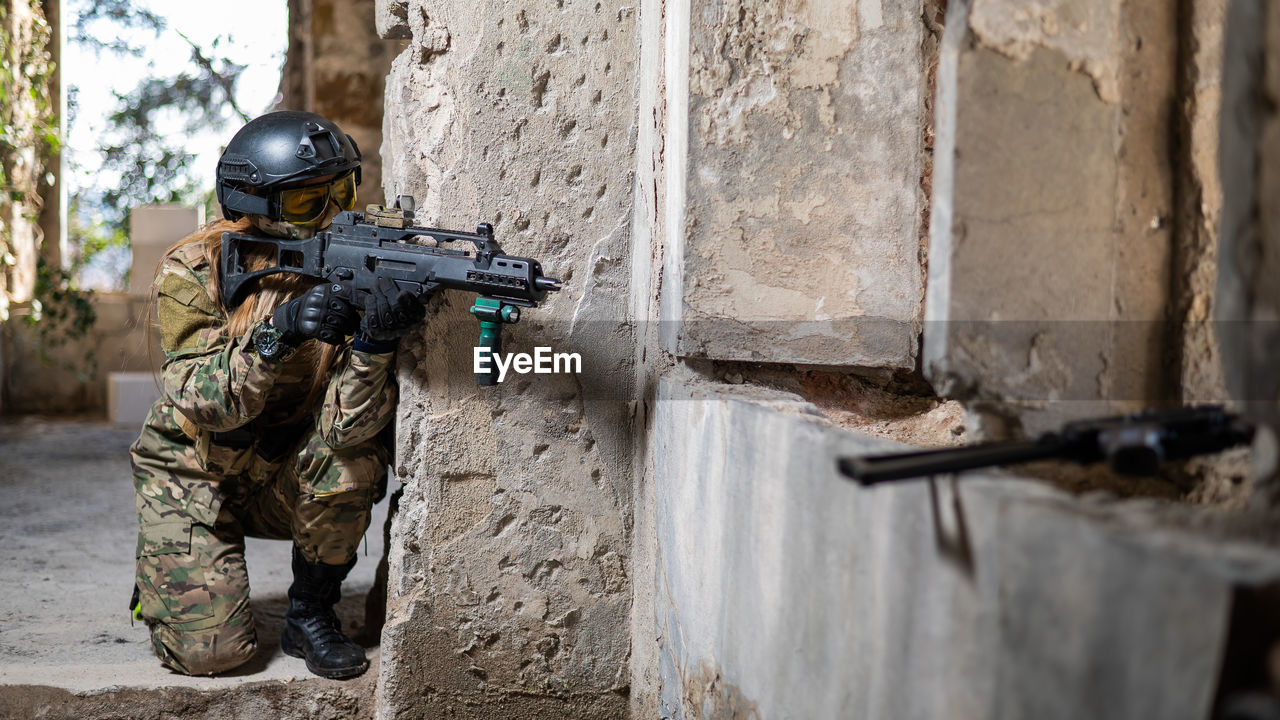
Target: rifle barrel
<point>874,469</point>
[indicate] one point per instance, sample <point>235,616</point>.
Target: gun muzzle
<point>546,284</point>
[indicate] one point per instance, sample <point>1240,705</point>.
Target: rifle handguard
<point>1136,444</point>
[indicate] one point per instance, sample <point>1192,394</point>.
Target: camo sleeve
<point>216,381</point>
<point>359,400</point>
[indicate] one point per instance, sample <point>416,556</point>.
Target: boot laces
<point>324,626</point>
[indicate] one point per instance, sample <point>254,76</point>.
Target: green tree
<point>28,128</point>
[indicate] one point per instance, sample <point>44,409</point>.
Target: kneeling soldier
<point>272,417</point>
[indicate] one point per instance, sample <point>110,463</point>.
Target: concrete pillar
<point>1248,296</point>
<point>508,580</point>
<point>1053,201</point>
<point>793,197</point>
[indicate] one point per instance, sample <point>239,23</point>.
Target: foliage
<point>61,313</point>
<point>89,237</point>
<point>28,130</point>
<point>140,163</point>
<point>152,167</point>
<point>118,13</point>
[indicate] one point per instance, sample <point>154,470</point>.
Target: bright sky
<point>255,34</point>
<point>258,31</point>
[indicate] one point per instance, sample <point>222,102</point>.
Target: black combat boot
<point>311,630</point>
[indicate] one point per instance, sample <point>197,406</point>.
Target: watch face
<point>266,340</point>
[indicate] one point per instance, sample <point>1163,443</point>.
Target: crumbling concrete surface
<point>508,588</point>
<point>1053,197</point>
<point>67,647</point>
<point>783,590</point>
<point>798,211</point>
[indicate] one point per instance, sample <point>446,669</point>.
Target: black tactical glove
<point>323,313</point>
<point>390,313</point>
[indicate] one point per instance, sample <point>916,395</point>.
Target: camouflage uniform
<point>218,460</point>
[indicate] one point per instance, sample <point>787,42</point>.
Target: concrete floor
<point>67,536</point>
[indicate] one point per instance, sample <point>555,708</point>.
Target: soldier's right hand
<point>323,313</point>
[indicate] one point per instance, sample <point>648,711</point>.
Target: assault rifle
<point>1135,444</point>
<point>360,247</point>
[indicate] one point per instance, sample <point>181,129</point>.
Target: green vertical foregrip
<point>490,336</point>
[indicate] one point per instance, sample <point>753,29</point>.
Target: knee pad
<point>202,650</point>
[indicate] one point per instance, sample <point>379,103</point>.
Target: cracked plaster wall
<point>798,226</point>
<point>508,577</point>
<point>1060,210</point>
<point>1248,296</point>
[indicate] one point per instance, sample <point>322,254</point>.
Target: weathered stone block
<point>1050,241</point>
<point>152,230</point>
<point>784,590</point>
<point>799,208</point>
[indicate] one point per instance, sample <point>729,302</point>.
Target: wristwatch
<point>267,341</point>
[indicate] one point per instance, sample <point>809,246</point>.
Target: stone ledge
<point>780,588</point>
<point>313,699</point>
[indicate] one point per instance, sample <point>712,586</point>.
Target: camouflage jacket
<point>213,383</point>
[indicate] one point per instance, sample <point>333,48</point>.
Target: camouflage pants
<point>196,506</point>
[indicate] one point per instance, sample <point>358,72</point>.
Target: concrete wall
<point>783,590</point>
<point>734,195</point>
<point>1051,237</point>
<point>72,378</point>
<point>1074,197</point>
<point>1248,300</point>
<point>61,375</point>
<point>796,138</point>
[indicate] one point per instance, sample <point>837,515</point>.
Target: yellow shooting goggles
<point>307,204</point>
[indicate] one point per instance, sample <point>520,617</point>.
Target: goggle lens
<point>343,191</point>
<point>308,204</point>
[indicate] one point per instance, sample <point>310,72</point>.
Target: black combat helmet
<point>278,149</point>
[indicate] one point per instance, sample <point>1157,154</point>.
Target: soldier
<point>272,414</point>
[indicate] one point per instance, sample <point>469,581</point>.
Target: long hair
<point>269,292</point>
